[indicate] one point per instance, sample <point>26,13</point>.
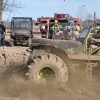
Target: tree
<point>81,12</point>
<point>84,14</point>
<point>1,8</point>
<point>6,5</point>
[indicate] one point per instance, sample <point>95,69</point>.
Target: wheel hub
<point>47,74</point>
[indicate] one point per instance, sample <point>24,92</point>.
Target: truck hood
<point>20,31</point>
<point>68,46</point>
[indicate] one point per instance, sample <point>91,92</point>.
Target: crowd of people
<point>47,30</point>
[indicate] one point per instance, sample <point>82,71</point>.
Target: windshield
<point>70,23</point>
<point>22,23</point>
<point>63,25</point>
<point>70,16</point>
<point>84,32</point>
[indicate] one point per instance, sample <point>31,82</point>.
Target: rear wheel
<point>47,68</point>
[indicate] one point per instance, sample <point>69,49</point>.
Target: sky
<point>47,8</point>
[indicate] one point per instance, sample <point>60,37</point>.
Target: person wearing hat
<point>54,26</point>
<point>2,34</point>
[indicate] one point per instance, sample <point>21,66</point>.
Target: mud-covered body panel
<point>22,33</point>
<point>73,47</point>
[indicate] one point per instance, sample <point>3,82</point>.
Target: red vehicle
<point>43,19</point>
<point>66,16</point>
<point>58,17</point>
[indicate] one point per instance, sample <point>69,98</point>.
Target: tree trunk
<point>1,9</point>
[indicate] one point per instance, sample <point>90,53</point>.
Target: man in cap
<point>54,26</point>
<point>2,34</point>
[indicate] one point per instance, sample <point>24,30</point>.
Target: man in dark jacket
<point>2,33</point>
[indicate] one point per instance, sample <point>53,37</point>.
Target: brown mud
<point>15,86</point>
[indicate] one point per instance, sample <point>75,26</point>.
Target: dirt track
<point>14,86</point>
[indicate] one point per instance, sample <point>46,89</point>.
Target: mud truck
<point>54,60</point>
<point>21,30</point>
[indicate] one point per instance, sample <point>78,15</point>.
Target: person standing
<point>53,28</point>
<point>43,29</point>
<point>2,34</point>
<point>76,30</point>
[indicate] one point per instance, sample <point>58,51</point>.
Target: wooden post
<point>95,19</point>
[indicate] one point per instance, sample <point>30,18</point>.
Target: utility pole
<point>95,18</point>
<point>1,9</point>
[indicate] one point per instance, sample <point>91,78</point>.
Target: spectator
<point>76,30</point>
<point>2,34</point>
<point>53,28</point>
<point>43,29</point>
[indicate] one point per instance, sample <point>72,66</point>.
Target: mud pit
<point>14,84</point>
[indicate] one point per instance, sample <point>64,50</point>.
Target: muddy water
<point>13,84</point>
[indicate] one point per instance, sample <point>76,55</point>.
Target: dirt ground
<point>14,86</point>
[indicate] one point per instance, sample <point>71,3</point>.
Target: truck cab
<point>66,16</point>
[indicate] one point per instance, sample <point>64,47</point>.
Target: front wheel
<point>47,68</point>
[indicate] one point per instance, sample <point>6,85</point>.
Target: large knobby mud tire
<point>49,61</point>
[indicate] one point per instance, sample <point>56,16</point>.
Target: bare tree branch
<point>7,6</point>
